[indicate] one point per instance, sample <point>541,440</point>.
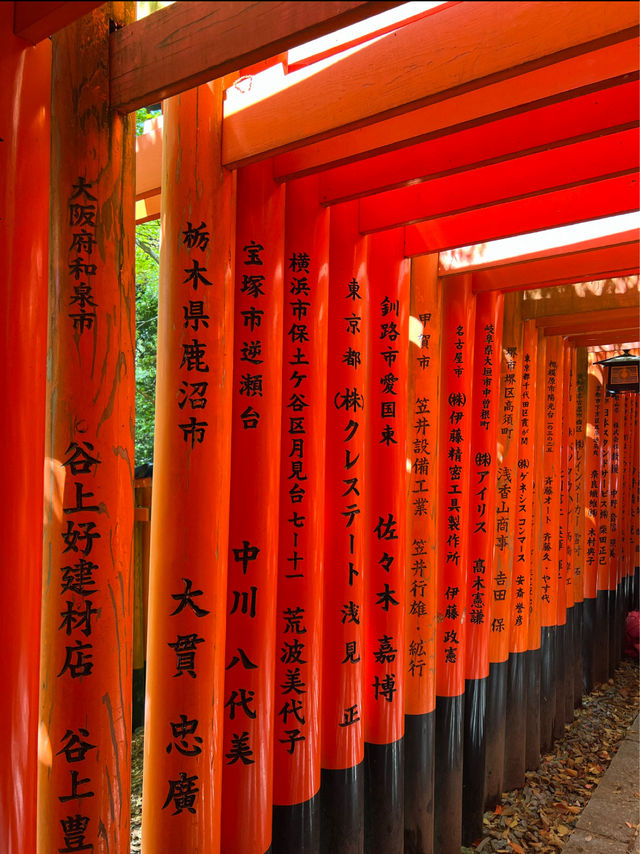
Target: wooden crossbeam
<point>551,169</point>
<point>627,337</point>
<point>608,197</point>
<point>570,77</point>
<point>619,257</point>
<point>187,44</point>
<point>35,21</point>
<point>504,138</point>
<point>465,47</point>
<point>609,320</point>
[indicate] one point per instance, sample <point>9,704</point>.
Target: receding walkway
<point>609,823</point>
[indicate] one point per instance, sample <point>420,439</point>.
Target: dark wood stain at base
<point>588,641</point>
<point>601,638</point>
<point>384,797</point>
<point>532,753</point>
<point>495,732</point>
<point>448,774</point>
<point>547,687</point>
<point>419,734</point>
<point>296,827</point>
<point>516,721</point>
<point>475,707</point>
<point>342,810</point>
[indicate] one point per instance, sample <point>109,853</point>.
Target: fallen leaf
<point>517,848</point>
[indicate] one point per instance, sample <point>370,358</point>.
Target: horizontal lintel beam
<point>36,21</point>
<point>467,46</point>
<point>187,44</point>
<point>605,198</point>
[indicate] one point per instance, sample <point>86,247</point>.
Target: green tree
<point>147,267</point>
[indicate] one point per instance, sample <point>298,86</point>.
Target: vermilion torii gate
<point>393,508</point>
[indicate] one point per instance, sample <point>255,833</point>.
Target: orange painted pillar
<point>342,743</point>
<point>635,510</point>
<point>296,776</point>
<point>578,521</point>
<point>384,584</point>
<point>247,775</point>
<point>86,662</point>
<point>565,547</point>
<point>503,678</point>
<point>457,357</point>
<point>615,482</point>
<point>425,329</point>
<point>25,98</point>
<point>534,634</point>
<point>550,490</point>
<point>480,521</point>
<point>521,667</point>
<point>601,649</point>
<point>592,487</point>
<point>190,518</point>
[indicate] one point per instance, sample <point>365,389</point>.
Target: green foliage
<point>147,266</point>
<point>142,115</point>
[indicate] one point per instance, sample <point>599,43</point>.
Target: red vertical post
<point>521,670</point>
<point>342,778</point>
<point>86,662</point>
<point>534,634</point>
<point>247,775</point>
<point>190,518</point>
<point>480,521</point>
<point>579,547</point>
<point>425,329</point>
<point>384,589</point>
<point>458,315</point>
<point>635,510</point>
<point>565,580</point>
<point>296,777</point>
<point>550,490</point>
<point>601,648</point>
<point>592,488</point>
<point>25,98</point>
<point>501,674</point>
<point>615,628</point>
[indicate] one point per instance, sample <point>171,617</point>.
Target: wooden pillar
<point>601,644</point>
<point>501,673</point>
<point>296,776</point>
<point>592,487</point>
<point>388,272</point>
<point>521,667</point>
<point>534,634</point>
<point>565,576</point>
<point>342,777</point>
<point>550,489</point>
<point>25,98</point>
<point>190,519</point>
<point>425,329</point>
<point>635,512</point>
<point>86,673</point>
<point>578,522</point>
<point>481,517</point>
<point>247,782</point>
<point>453,495</point>
<point>613,546</point>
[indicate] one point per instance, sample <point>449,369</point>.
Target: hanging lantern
<point>623,373</point>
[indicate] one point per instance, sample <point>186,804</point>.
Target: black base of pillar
<point>601,638</point>
<point>547,687</point>
<point>568,666</point>
<point>384,797</point>
<point>137,706</point>
<point>419,733</point>
<point>588,643</point>
<point>614,631</point>
<point>495,732</point>
<point>296,827</point>
<point>636,589</point>
<point>342,810</point>
<point>516,722</point>
<point>532,753</point>
<point>475,705</point>
<point>448,775</point>
<point>578,611</point>
<point>559,671</point>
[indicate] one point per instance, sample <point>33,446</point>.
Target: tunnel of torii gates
<point>393,533</point>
